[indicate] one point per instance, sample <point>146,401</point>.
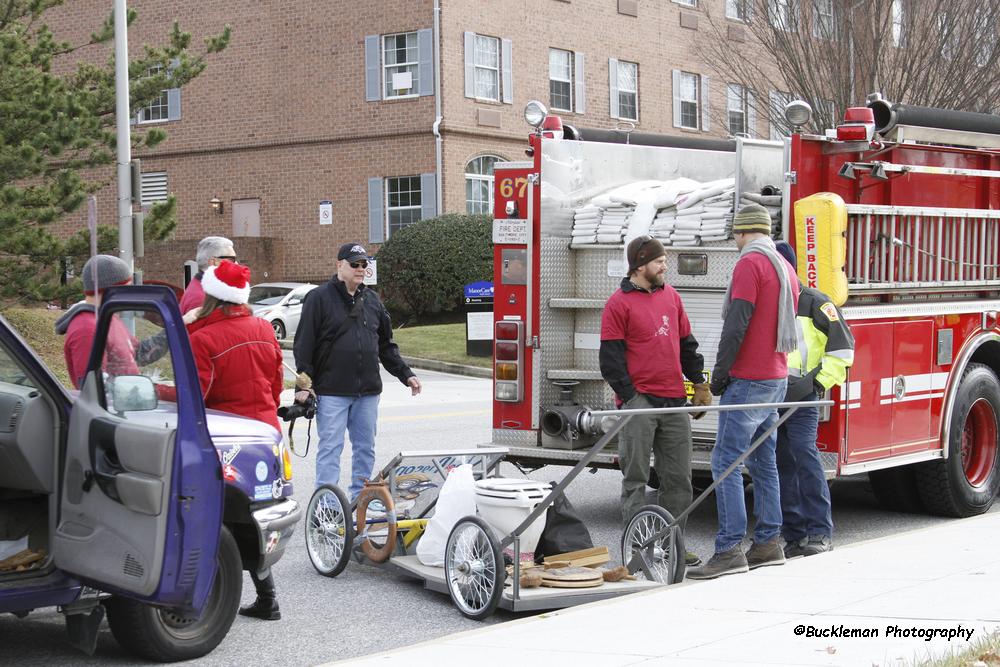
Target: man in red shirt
<point>211,251</point>
<point>757,333</point>
<point>647,350</point>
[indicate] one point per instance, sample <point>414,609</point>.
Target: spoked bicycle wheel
<point>474,568</point>
<point>329,530</point>
<point>662,560</point>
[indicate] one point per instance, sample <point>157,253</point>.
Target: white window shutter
<point>613,86</point>
<point>174,97</point>
<point>376,214</point>
<point>470,64</point>
<point>751,114</point>
<point>581,86</point>
<point>373,75</point>
<point>425,51</point>
<point>706,115</point>
<point>428,196</point>
<point>676,74</point>
<point>506,49</point>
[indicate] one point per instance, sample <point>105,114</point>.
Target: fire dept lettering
<point>812,261</point>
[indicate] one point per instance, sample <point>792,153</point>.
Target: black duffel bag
<point>564,530</point>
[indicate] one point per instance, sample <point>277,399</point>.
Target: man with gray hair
<point>211,251</point>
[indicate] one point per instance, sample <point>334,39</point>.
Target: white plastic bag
<point>456,500</point>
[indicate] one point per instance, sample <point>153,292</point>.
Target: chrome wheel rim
<point>643,526</point>
<point>326,532</point>
<point>472,568</point>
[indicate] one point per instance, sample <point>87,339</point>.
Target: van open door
<point>141,489</point>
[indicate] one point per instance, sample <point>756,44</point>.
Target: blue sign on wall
<point>483,288</point>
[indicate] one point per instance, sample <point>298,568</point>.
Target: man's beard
<point>655,279</point>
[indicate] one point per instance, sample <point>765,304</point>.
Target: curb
<point>426,364</point>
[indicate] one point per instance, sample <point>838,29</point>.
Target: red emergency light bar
<point>859,125</point>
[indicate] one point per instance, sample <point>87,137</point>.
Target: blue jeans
<point>356,414</point>
<point>737,431</point>
<point>805,496</point>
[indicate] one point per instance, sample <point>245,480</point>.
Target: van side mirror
<point>134,393</point>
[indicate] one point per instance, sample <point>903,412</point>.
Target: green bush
<point>423,266</point>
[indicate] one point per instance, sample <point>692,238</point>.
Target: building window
<point>154,188</point>
<point>690,116</point>
<point>686,3</point>
<point>402,202</point>
<point>823,25</point>
<point>736,109</point>
<point>897,22</point>
<point>784,14</point>
<point>479,184</point>
<point>779,126</point>
<point>986,38</point>
<point>628,90</point>
<point>950,38</point>
<point>159,109</point>
<point>738,9</point>
<point>561,79</point>
<point>487,67</point>
<point>401,60</point>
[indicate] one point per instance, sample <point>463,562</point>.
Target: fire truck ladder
<point>915,247</point>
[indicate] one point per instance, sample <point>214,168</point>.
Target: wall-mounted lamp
<point>216,205</point>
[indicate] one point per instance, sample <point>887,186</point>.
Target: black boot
<point>265,607</point>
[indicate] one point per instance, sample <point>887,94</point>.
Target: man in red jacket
<point>211,251</point>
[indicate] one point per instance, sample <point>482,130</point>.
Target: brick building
<point>336,102</point>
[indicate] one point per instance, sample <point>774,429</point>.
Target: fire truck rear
<point>894,214</point>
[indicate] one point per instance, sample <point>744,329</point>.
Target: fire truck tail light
<point>507,371</point>
<point>852,133</point>
<point>859,125</point>
<point>507,330</point>
<point>505,391</point>
<point>506,352</point>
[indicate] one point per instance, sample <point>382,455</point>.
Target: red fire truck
<point>895,214</point>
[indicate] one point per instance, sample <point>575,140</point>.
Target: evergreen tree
<point>57,128</point>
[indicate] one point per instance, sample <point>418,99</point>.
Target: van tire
<point>966,483</point>
<point>158,634</point>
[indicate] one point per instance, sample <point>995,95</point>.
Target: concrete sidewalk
<point>863,604</point>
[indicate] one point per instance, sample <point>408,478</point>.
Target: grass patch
<point>982,652</point>
<point>37,327</point>
<point>443,342</point>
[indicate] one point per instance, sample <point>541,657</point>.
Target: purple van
<point>129,499</point>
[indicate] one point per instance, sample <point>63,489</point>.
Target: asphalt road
<point>368,609</point>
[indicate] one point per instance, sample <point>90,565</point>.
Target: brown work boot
<point>726,562</point>
<point>763,555</point>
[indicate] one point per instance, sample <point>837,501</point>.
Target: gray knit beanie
<point>110,271</point>
<point>752,218</point>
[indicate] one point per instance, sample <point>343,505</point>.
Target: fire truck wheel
<point>896,489</point>
<point>966,483</point>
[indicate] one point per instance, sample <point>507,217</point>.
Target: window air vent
<point>15,414</point>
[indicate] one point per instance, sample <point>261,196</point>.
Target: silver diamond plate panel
<point>577,303</point>
<point>721,261</point>
<point>555,324</point>
<point>830,461</point>
<point>506,437</point>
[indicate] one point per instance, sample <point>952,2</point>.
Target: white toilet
<point>504,503</point>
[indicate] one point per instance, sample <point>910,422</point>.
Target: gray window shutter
<point>751,113</point>
<point>174,104</point>
<point>470,64</point>
<point>376,216</point>
<point>174,97</point>
<point>706,115</point>
<point>505,67</point>
<point>581,86</point>
<point>677,97</point>
<point>428,196</point>
<point>613,86</point>
<point>425,48</point>
<point>373,60</point>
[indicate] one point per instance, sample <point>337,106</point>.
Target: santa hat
<point>228,281</point>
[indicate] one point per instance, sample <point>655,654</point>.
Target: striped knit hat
<point>752,218</point>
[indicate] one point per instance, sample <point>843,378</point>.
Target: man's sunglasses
<point>363,264</point>
<point>231,258</point>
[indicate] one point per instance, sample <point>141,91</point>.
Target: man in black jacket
<point>343,334</point>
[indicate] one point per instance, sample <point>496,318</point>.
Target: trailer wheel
<point>329,530</point>
<point>661,561</point>
<point>966,483</point>
<point>474,568</point>
<point>896,489</point>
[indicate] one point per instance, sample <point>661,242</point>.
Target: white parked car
<point>280,304</point>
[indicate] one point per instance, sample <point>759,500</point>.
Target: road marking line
<point>435,415</point>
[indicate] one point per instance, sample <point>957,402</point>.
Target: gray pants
<point>668,439</point>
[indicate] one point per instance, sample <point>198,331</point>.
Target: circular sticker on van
<point>261,471</point>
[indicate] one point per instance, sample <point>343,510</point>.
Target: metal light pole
<point>124,140</point>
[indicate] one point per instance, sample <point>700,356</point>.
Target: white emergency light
<point>798,113</point>
<point>534,113</point>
